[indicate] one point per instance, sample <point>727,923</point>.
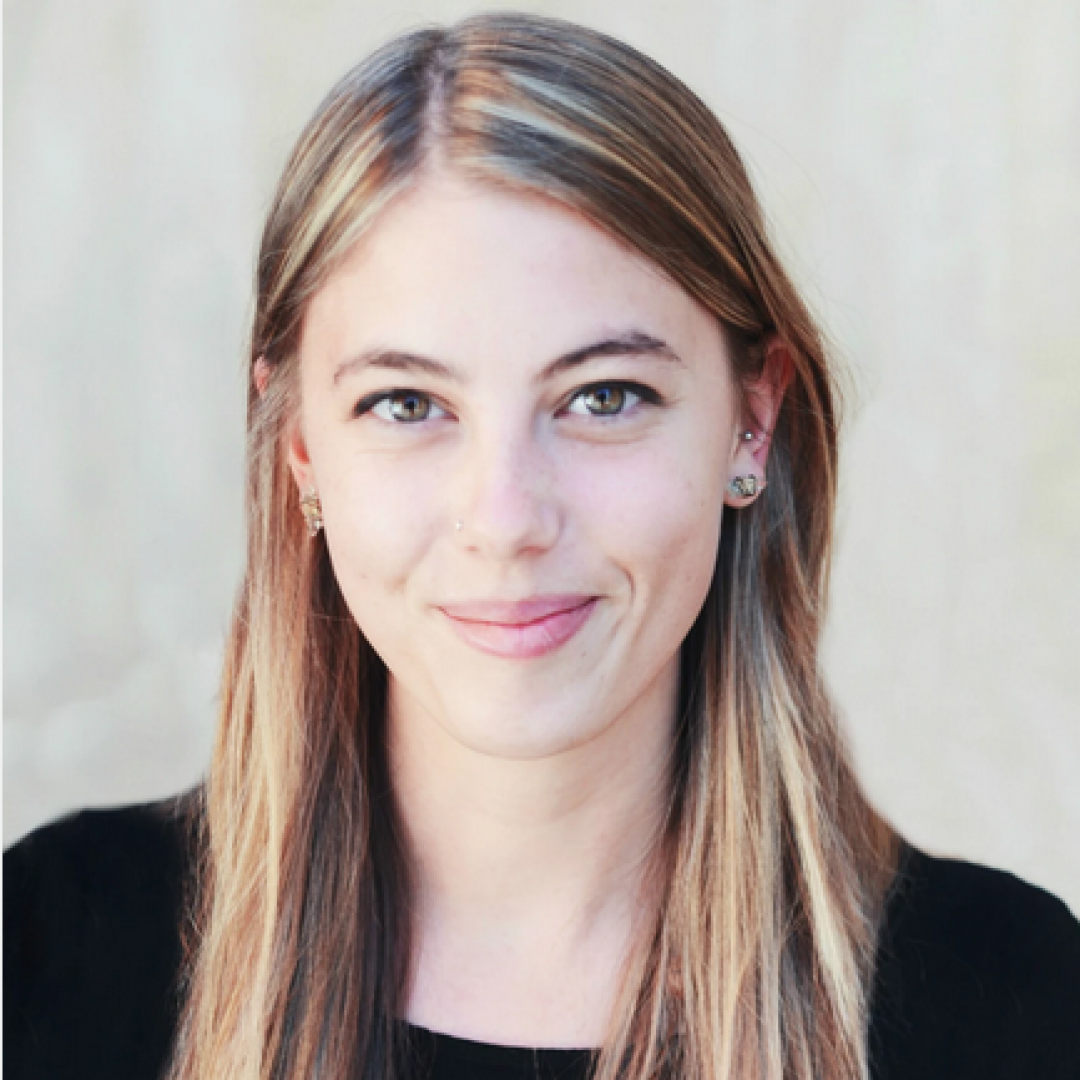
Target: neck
<point>530,875</point>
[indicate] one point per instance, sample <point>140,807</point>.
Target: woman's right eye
<point>400,407</point>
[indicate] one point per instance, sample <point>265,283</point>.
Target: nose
<point>507,493</point>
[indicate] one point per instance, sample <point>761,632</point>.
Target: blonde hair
<point>774,868</point>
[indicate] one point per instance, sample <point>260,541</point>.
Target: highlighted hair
<point>772,872</point>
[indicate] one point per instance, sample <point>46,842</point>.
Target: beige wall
<point>921,163</point>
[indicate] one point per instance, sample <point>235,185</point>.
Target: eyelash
<point>646,394</point>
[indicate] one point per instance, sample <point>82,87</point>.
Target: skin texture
<point>530,787</point>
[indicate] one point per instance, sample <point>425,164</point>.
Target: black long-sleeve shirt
<point>978,972</point>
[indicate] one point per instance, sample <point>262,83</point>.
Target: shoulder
<point>982,924</point>
<point>140,839</point>
<point>98,869</point>
<point>978,975</point>
<point>92,913</point>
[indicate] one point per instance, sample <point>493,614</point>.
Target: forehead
<point>467,271</point>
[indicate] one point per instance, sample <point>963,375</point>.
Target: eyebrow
<point>631,343</point>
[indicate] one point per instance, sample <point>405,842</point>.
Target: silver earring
<point>748,435</point>
<point>311,508</point>
<point>746,486</point>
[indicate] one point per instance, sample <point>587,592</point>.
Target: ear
<point>260,375</point>
<point>299,462</point>
<point>764,396</point>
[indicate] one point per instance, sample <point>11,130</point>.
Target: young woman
<point>526,766</point>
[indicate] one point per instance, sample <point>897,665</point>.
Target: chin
<point>523,734</point>
<point>522,726</point>
<point>531,745</point>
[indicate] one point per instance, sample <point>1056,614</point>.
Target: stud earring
<point>458,525</point>
<point>748,435</point>
<point>311,508</point>
<point>746,486</point>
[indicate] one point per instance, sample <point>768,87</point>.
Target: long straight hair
<point>773,869</point>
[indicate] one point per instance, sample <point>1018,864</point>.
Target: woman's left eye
<point>608,399</point>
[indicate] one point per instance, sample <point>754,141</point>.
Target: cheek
<point>380,518</point>
<point>659,519</point>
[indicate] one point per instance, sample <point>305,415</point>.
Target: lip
<point>519,629</point>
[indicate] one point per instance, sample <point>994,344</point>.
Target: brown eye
<point>408,406</point>
<point>604,400</point>
<point>400,407</point>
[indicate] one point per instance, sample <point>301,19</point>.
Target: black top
<point>978,975</point>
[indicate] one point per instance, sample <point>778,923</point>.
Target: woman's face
<point>493,360</point>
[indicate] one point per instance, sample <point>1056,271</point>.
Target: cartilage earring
<point>746,486</point>
<point>311,508</point>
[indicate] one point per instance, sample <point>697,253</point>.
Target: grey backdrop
<point>921,165</point>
